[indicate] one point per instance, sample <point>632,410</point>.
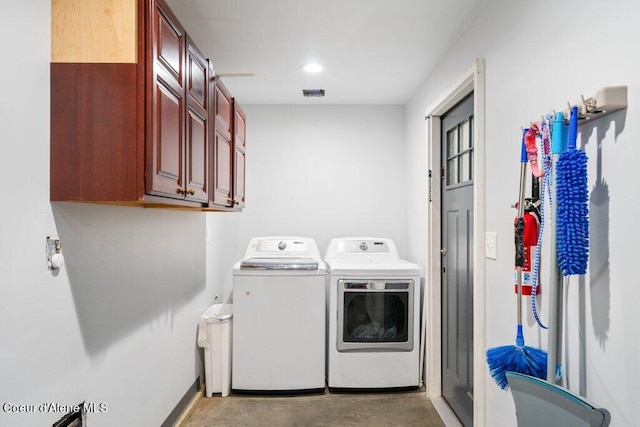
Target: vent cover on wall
<point>313,92</point>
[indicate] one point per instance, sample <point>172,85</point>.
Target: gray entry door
<point>457,259</point>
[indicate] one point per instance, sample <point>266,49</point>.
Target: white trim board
<point>444,411</point>
<point>472,81</point>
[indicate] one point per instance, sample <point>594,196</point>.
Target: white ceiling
<point>375,52</point>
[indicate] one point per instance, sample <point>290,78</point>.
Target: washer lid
<point>369,267</point>
<point>279,264</point>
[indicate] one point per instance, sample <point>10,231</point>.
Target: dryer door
<point>375,315</point>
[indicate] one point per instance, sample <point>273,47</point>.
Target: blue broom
<point>572,212</point>
<point>519,358</point>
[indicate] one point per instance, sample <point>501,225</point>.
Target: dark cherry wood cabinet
<point>136,121</point>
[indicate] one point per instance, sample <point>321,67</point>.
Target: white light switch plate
<point>490,245</point>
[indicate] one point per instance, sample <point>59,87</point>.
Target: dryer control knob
<point>364,246</point>
<point>282,246</point>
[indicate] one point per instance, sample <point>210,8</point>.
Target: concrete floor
<point>408,408</point>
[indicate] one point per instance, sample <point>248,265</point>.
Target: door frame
<point>472,81</point>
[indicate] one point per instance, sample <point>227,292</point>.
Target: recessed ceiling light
<point>312,67</point>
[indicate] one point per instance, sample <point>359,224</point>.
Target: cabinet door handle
<point>181,191</point>
<point>191,191</point>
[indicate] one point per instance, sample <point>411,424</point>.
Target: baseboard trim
<point>186,405</point>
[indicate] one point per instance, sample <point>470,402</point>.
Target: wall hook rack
<point>607,100</point>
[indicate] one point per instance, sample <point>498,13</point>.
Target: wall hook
<point>55,259</point>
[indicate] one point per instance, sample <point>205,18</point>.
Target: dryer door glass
<point>375,315</point>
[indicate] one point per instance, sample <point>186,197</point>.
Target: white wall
<point>317,171</point>
<point>117,324</point>
<point>538,58</point>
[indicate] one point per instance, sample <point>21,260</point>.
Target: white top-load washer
<point>279,323</point>
<point>373,315</point>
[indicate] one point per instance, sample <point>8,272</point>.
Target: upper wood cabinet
<point>133,109</point>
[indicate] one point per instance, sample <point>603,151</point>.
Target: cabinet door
<point>222,146</point>
<point>165,161</point>
<point>222,180</point>
<point>239,156</point>
<point>197,132</point>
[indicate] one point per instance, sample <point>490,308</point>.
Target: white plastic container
<point>214,335</point>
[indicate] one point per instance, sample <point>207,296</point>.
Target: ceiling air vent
<point>313,92</point>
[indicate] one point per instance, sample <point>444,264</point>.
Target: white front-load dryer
<point>373,315</point>
<point>279,323</point>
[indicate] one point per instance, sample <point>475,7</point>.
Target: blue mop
<point>573,211</point>
<point>519,358</point>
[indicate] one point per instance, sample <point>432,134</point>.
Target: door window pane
<point>452,142</point>
<point>465,135</point>
<point>465,167</point>
<point>452,171</point>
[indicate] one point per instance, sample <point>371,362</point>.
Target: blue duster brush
<point>518,358</point>
<point>556,291</point>
<point>572,211</point>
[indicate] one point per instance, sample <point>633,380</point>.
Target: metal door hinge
<point>429,184</point>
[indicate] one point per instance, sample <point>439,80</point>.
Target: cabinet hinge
<point>429,185</point>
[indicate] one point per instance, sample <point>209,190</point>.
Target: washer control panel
<point>284,245</point>
<point>364,246</point>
